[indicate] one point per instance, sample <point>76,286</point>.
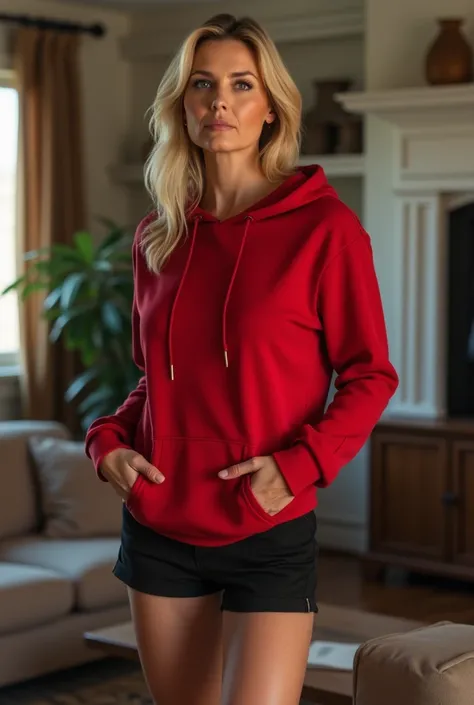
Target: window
<point>9,328</point>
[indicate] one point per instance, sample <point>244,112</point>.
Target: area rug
<point>111,682</point>
<point>107,682</point>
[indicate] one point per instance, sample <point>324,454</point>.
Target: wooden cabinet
<point>463,484</point>
<point>422,496</point>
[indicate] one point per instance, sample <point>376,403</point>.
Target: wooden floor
<point>423,598</point>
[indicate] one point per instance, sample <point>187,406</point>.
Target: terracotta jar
<point>450,57</point>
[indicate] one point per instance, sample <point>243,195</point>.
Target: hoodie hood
<point>306,185</point>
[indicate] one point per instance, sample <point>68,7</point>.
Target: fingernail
<point>158,478</point>
<point>224,473</point>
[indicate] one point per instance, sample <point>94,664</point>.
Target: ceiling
<point>135,4</point>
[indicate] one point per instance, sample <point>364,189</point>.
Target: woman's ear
<point>271,117</point>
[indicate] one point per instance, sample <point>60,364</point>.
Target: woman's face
<point>225,103</point>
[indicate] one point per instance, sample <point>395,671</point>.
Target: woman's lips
<point>219,127</point>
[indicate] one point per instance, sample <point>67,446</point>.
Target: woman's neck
<point>233,185</point>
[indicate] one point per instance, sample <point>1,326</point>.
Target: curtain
<point>51,200</point>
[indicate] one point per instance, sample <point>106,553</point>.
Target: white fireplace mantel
<point>426,106</point>
<point>430,169</point>
<point>434,132</point>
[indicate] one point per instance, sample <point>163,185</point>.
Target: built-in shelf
<point>334,165</point>
<point>337,165</point>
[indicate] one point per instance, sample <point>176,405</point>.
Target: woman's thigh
<point>265,657</point>
<point>180,646</point>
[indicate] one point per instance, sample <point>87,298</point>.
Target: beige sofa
<point>432,665</point>
<point>51,589</point>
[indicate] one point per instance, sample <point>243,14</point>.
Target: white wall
<point>399,34</point>
<point>106,105</point>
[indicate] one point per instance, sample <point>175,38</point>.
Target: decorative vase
<point>327,127</point>
<point>450,57</point>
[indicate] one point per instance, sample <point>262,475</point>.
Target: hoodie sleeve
<point>118,430</point>
<point>352,320</point>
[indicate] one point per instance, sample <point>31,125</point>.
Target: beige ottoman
<point>433,665</point>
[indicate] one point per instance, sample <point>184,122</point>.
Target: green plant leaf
<point>35,254</point>
<point>70,288</point>
<point>52,299</point>
<point>56,250</point>
<point>120,256</point>
<point>102,265</point>
<point>85,245</point>
<point>14,285</point>
<point>100,410</point>
<point>80,383</point>
<point>116,238</point>
<point>112,319</point>
<point>88,301</point>
<point>32,287</point>
<point>89,356</point>
<point>67,318</point>
<point>102,394</point>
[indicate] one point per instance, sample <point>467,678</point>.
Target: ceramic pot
<point>450,57</point>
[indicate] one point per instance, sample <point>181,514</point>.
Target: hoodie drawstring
<point>248,220</point>
<point>173,308</point>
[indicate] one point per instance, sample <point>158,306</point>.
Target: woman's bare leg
<point>180,646</point>
<point>265,656</point>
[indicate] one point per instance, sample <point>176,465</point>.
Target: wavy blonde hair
<point>174,171</point>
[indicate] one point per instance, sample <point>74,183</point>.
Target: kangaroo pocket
<point>194,505</point>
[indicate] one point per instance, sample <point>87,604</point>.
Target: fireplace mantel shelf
<point>426,106</point>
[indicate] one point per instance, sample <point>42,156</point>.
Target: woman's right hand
<point>121,468</point>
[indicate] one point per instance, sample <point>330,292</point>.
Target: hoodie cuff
<point>101,445</point>
<point>298,467</point>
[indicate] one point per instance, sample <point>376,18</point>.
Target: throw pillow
<point>74,502</point>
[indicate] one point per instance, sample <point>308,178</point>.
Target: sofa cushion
<point>433,665</point>
<point>31,596</point>
<point>87,562</point>
<point>74,503</point>
<point>18,498</point>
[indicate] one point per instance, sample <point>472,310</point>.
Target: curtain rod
<point>97,30</point>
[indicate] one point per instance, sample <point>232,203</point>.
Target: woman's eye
<point>201,83</point>
<point>244,86</point>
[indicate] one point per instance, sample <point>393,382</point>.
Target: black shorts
<point>274,571</point>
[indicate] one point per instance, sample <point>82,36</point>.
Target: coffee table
<point>332,623</point>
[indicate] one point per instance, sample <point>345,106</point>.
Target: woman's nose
<point>219,102</point>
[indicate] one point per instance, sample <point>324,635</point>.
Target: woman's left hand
<point>268,484</point>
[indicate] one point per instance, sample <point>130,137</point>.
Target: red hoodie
<point>238,337</point>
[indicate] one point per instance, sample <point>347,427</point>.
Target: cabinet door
<point>463,471</point>
<point>409,479</point>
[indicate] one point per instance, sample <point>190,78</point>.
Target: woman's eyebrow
<point>235,74</point>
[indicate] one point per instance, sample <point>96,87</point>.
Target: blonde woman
<point>253,282</point>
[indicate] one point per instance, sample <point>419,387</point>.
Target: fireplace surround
<point>432,198</point>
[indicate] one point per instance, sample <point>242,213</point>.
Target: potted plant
<point>89,293</point>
